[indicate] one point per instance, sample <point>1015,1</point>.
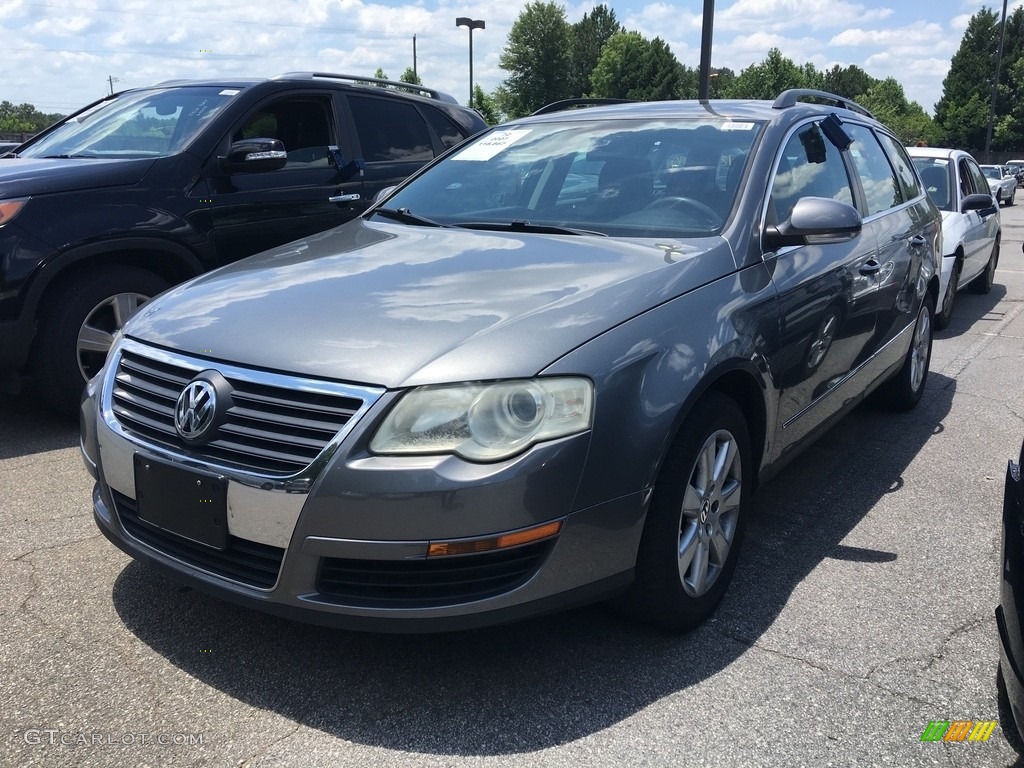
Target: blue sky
<point>58,55</point>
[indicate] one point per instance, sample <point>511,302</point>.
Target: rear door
<point>982,226</point>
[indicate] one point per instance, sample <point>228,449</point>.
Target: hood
<point>26,176</point>
<point>395,305</point>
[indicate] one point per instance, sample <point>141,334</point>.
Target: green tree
<point>907,119</point>
<point>380,74</point>
<point>536,58</point>
<point>851,81</point>
<point>410,77</point>
<point>486,105</point>
<point>588,36</point>
<point>24,118</point>
<point>772,76</point>
<point>962,112</point>
<point>632,67</point>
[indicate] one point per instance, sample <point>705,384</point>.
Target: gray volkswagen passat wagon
<point>551,368</point>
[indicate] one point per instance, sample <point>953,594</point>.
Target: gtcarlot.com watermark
<point>54,736</point>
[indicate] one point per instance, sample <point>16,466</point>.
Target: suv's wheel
<point>983,282</point>
<point>904,391</point>
<point>942,318</point>
<point>77,325</point>
<point>695,522</point>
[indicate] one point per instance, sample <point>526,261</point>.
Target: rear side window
<point>445,129</point>
<point>980,182</point>
<point>904,170</point>
<point>390,131</point>
<point>881,187</point>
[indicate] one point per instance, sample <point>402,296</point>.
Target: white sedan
<point>971,227</point>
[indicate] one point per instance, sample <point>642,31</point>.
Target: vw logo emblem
<point>196,409</point>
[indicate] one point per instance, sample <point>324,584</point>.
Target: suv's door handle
<point>917,241</point>
<point>870,267</point>
<point>345,198</point>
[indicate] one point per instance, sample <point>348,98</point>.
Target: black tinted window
<point>446,130</point>
<point>304,125</point>
<point>390,130</point>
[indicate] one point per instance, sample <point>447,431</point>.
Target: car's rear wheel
<point>691,538</point>
<point>942,318</point>
<point>983,283</point>
<point>77,324</point>
<point>904,391</point>
<point>1013,193</point>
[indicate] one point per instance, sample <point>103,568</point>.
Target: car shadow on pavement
<point>547,681</point>
<point>27,428</point>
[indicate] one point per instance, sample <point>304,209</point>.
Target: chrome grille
<point>276,425</point>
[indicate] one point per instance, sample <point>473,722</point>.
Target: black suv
<point>149,187</point>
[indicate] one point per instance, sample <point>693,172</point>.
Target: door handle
<point>917,241</point>
<point>344,198</point>
<point>870,267</point>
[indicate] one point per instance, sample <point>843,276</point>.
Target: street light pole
<point>995,87</point>
<point>465,21</point>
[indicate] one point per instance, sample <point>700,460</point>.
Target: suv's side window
<point>810,166</point>
<point>904,168</point>
<point>881,187</point>
<point>446,130</point>
<point>303,124</point>
<point>390,131</point>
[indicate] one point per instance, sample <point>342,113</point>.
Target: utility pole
<point>415,75</point>
<point>704,76</point>
<point>111,79</point>
<point>995,86</point>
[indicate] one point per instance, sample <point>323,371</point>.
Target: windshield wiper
<point>519,225</point>
<point>405,216</point>
<point>69,157</point>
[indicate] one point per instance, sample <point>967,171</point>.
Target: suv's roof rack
<point>558,106</point>
<point>795,95</point>
<point>418,90</point>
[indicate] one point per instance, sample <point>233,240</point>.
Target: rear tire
<point>76,326</point>
<point>982,284</point>
<point>904,391</point>
<point>694,526</point>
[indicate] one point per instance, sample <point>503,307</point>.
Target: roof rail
<point>558,106</point>
<point>794,95</point>
<point>398,85</point>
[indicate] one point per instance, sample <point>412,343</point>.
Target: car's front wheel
<point>942,318</point>
<point>76,328</point>
<point>695,521</point>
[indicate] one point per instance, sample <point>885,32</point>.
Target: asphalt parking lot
<point>862,609</point>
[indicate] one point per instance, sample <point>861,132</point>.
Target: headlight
<point>486,422</point>
<point>10,208</point>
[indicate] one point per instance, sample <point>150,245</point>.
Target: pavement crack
<point>262,750</point>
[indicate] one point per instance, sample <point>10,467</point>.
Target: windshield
<point>629,178</point>
<point>150,123</point>
<point>934,173</point>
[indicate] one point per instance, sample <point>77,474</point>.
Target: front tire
<point>76,328</point>
<point>942,318</point>
<point>691,538</point>
<point>904,391</point>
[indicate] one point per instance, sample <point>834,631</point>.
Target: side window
<point>303,124</point>
<point>980,182</point>
<point>904,171</point>
<point>390,130</point>
<point>810,166</point>
<point>968,184</point>
<point>446,130</point>
<point>881,188</point>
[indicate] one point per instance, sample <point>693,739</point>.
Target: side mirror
<point>977,202</point>
<point>254,156</point>
<point>816,221</point>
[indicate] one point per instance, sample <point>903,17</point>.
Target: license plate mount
<point>190,504</point>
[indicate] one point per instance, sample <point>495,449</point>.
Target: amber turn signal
<point>505,540</point>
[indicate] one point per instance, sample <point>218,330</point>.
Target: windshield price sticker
<point>732,126</point>
<point>487,148</point>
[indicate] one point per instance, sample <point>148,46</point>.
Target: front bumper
<point>348,547</point>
